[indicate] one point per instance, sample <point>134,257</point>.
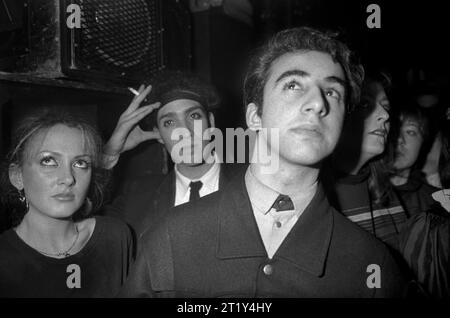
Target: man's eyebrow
<point>336,79</point>
<point>172,114</point>
<point>291,73</point>
<point>296,72</point>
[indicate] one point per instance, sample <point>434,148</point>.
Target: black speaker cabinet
<point>116,40</point>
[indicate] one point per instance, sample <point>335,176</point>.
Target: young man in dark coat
<point>271,232</point>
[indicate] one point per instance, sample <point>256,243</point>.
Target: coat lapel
<point>306,245</point>
<point>238,234</point>
<point>165,196</point>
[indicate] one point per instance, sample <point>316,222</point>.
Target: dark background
<point>411,45</point>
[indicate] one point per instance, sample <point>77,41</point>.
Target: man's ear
<point>252,118</point>
<point>15,176</point>
<point>212,121</point>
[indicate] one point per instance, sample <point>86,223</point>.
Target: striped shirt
<point>385,222</point>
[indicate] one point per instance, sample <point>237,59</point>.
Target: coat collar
<point>306,245</point>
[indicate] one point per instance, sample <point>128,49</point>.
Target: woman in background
<point>409,155</point>
<point>52,181</point>
<point>361,189</point>
<point>424,242</point>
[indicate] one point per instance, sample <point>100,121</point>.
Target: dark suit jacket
<point>144,200</point>
<point>212,248</point>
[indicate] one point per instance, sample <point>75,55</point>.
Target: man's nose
<point>315,102</point>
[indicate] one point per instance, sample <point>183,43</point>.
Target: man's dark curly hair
<point>41,122</point>
<point>297,40</point>
<point>171,83</point>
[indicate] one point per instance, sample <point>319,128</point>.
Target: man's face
<point>182,113</point>
<point>408,145</point>
<point>304,99</point>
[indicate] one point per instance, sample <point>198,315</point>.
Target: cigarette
<point>135,92</point>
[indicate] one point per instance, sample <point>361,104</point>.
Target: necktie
<point>195,190</point>
<point>283,203</point>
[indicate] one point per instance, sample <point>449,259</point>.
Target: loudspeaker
<point>115,41</point>
<point>13,31</point>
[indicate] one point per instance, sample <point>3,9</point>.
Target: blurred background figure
<point>410,152</point>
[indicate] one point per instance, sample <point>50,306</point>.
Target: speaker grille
<point>121,37</point>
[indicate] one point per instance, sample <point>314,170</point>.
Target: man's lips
<point>311,130</point>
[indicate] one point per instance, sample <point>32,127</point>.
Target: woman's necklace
<point>65,253</point>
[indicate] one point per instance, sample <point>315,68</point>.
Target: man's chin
<point>307,159</point>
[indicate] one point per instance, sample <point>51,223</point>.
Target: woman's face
<point>376,123</point>
<point>409,142</point>
<point>55,173</point>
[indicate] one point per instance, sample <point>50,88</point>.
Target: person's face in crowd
<point>376,123</point>
<point>409,142</point>
<point>183,113</point>
<point>55,173</point>
<point>304,98</point>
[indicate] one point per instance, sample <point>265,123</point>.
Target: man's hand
<point>127,133</point>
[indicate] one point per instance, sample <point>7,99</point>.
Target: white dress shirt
<point>210,181</point>
<point>273,226</point>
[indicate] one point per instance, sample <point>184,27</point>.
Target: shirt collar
<point>207,179</point>
<point>261,196</point>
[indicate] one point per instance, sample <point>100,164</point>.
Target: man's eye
<point>83,164</point>
<point>196,116</point>
<point>48,161</point>
<point>168,123</point>
<point>333,93</point>
<point>292,85</point>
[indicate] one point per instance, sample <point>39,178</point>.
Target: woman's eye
<point>48,161</point>
<point>168,123</point>
<point>387,107</point>
<point>83,164</point>
<point>411,133</point>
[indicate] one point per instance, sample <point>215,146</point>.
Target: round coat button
<point>278,224</point>
<point>268,269</point>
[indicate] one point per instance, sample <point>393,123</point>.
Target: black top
<point>98,270</point>
<point>415,194</point>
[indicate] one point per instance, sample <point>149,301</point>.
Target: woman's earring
<point>23,199</point>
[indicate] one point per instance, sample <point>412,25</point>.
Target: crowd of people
<point>357,207</point>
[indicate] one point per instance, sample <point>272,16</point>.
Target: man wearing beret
<point>186,105</point>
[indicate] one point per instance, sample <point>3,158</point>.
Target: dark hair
<point>416,114</point>
<point>379,183</point>
<point>369,89</point>
<point>33,124</point>
<point>444,159</point>
<point>174,83</point>
<point>301,39</point>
